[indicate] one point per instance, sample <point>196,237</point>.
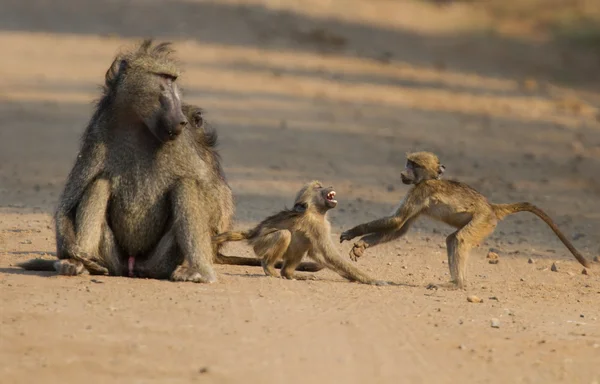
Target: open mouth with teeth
<point>330,198</point>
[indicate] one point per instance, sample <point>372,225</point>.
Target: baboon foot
<point>269,270</point>
<point>194,275</point>
<point>92,267</point>
<point>357,250</point>
<point>69,267</point>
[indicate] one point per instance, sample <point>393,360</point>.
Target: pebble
<point>474,299</point>
<point>203,370</point>
<point>554,268</point>
<point>531,261</point>
<point>584,272</point>
<point>493,257</point>
<point>495,323</point>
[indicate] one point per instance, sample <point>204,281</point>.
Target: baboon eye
<point>167,76</point>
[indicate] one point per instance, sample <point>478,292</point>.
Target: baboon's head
<point>195,116</point>
<point>421,166</point>
<point>143,89</point>
<point>314,196</point>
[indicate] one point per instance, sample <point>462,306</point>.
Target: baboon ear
<point>117,67</point>
<point>300,207</point>
<point>123,65</point>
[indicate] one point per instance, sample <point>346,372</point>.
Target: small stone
<point>493,298</point>
<point>203,370</point>
<point>582,316</point>
<point>570,273</point>
<point>578,236</point>
<point>554,268</point>
<point>474,299</point>
<point>462,347</point>
<point>404,267</point>
<point>584,271</point>
<point>495,323</point>
<point>531,261</point>
<point>493,257</point>
<point>389,263</point>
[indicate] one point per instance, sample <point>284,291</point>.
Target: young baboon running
<point>139,192</point>
<point>291,233</point>
<point>451,202</point>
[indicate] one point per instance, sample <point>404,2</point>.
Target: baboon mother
<point>140,197</point>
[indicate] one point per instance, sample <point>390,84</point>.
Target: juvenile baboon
<point>291,233</point>
<point>222,200</point>
<point>139,193</point>
<point>451,202</point>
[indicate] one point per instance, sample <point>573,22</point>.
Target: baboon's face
<point>420,167</point>
<point>408,176</point>
<point>323,197</point>
<point>156,99</point>
<point>327,196</point>
<point>195,117</point>
<point>315,195</point>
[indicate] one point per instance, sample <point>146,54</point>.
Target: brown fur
<point>291,233</point>
<point>451,202</point>
<point>145,185</point>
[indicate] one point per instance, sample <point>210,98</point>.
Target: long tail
<point>230,236</point>
<point>254,262</point>
<point>38,265</point>
<point>503,210</point>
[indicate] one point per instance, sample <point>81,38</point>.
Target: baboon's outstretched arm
<point>323,252</point>
<point>409,209</point>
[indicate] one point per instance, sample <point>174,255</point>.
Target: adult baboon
<point>451,202</point>
<point>139,192</point>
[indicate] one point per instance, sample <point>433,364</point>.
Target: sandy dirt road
<point>297,92</point>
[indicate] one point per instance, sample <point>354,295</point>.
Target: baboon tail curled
<point>503,210</point>
<point>230,236</point>
<point>38,265</point>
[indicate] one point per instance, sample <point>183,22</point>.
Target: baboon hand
<point>357,250</point>
<point>346,235</point>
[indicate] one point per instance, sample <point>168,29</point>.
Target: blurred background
<point>505,91</point>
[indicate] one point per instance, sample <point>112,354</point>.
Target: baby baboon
<point>289,234</point>
<point>139,192</point>
<point>451,202</point>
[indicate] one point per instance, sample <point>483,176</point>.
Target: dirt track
<point>292,104</point>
